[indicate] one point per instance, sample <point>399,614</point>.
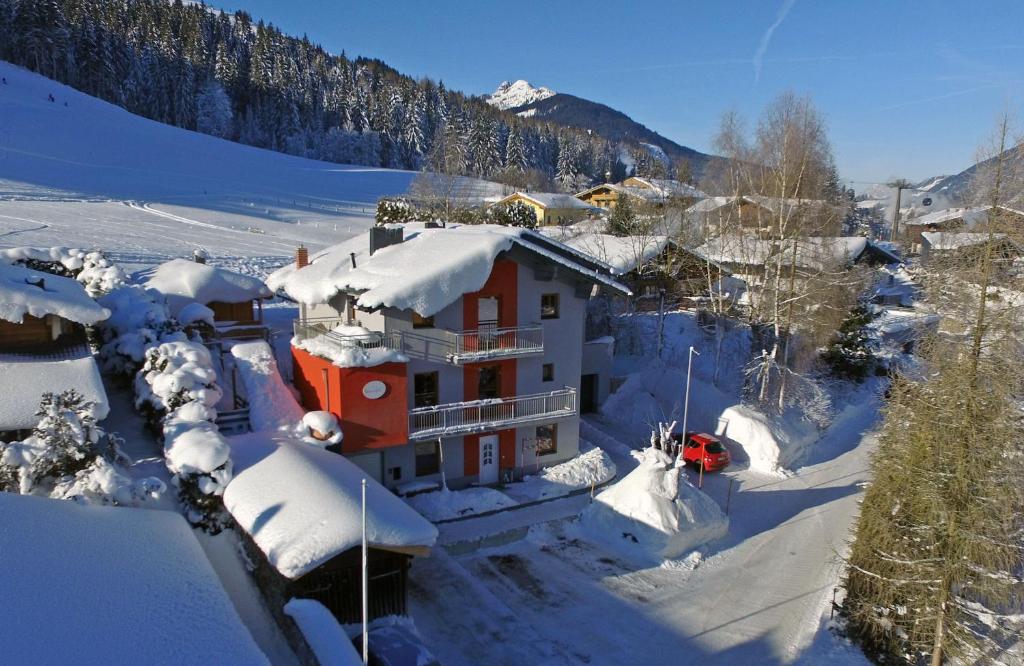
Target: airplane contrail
<point>766,38</point>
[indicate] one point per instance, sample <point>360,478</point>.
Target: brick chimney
<point>301,257</point>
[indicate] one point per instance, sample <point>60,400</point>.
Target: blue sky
<point>907,88</point>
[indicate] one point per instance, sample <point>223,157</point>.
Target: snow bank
<point>95,585</point>
<point>194,313</point>
<point>195,447</point>
<point>653,513</point>
<point>182,282</point>
<point>272,405</point>
<point>330,644</point>
<point>446,504</point>
<point>302,507</point>
<point>591,468</point>
<point>24,291</point>
<point>771,443</point>
<point>28,379</point>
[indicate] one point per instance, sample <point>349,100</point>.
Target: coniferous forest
<point>228,76</point>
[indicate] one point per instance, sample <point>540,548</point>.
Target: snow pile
<point>330,644</point>
<point>196,448</point>
<point>302,507</point>
<point>426,272</point>
<point>653,513</point>
<point>24,291</point>
<point>516,94</point>
<point>341,346</point>
<point>772,443</point>
<point>105,585</point>
<point>195,313</point>
<point>176,373</point>
<point>137,323</point>
<point>446,504</point>
<point>272,405</point>
<point>182,282</point>
<point>591,468</point>
<point>29,378</point>
<point>321,429</point>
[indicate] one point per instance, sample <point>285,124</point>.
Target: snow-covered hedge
<point>68,456</point>
<point>177,390</point>
<point>98,274</point>
<point>138,322</point>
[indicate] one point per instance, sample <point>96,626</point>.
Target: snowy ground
<point>756,596</point>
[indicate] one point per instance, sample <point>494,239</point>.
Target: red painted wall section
<point>503,284</point>
<point>367,424</point>
<point>506,452</point>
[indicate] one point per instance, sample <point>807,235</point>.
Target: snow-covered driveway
<point>757,598</point>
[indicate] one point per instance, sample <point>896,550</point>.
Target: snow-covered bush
<point>98,274</point>
<point>320,429</point>
<point>515,214</point>
<point>68,456</point>
<point>138,321</point>
<point>176,389</point>
<point>394,211</point>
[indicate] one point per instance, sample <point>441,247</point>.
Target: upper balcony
<point>435,344</point>
<point>462,418</point>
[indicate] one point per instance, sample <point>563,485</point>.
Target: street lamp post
<point>686,401</point>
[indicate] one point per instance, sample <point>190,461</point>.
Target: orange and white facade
<point>484,384</point>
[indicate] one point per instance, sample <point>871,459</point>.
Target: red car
<point>703,449</point>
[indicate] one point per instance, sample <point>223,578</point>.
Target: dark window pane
<point>549,306</point>
<point>428,458</point>
<point>548,372</point>
<point>547,439</point>
<point>425,389</point>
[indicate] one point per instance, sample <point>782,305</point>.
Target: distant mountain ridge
<point>957,186</point>
<point>572,111</point>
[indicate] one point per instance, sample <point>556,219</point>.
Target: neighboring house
<point>754,213</point>
<point>236,300</point>
<point>956,220</point>
<point>301,507</point>
<point>43,345</point>
<point>966,245</point>
<point>552,208</point>
<point>643,191</point>
<point>111,585</point>
<point>454,350</point>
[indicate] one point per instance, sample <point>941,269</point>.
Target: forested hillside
<point>228,76</point>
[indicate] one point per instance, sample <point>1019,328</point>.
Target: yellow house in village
<point>552,208</point>
<point>643,190</point>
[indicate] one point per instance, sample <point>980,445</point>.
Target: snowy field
<point>92,175</point>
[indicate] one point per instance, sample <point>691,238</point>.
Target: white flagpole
<point>366,586</point>
<point>686,402</point>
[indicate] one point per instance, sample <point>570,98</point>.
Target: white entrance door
<point>489,459</point>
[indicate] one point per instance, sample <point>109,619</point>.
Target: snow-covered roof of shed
<point>24,291</point>
<point>182,282</point>
<point>33,377</point>
<point>971,216</point>
<point>951,240</point>
<point>426,272</point>
<point>549,199</point>
<point>622,253</point>
<point>671,188</point>
<point>96,584</point>
<point>301,504</point>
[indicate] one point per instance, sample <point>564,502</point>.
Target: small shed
<point>111,585</point>
<point>236,300</point>
<point>301,507</point>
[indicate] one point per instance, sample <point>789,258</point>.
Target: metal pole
<point>686,401</point>
<point>366,586</point>
<point>896,215</point>
<point>728,497</point>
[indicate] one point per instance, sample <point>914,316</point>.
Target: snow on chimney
<point>301,257</point>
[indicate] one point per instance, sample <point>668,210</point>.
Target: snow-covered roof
<point>24,291</point>
<point>814,252</point>
<point>669,188</point>
<point>107,585</point>
<point>971,216</point>
<point>301,504</point>
<point>429,270</point>
<point>182,282</point>
<point>29,377</point>
<point>548,199</point>
<point>622,253</point>
<point>711,204</point>
<point>950,240</point>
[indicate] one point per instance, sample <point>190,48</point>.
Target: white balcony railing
<point>460,418</point>
<point>438,345</point>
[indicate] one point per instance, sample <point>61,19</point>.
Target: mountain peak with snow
<point>516,94</point>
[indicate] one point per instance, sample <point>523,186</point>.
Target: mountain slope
<point>572,111</point>
<point>957,186</point>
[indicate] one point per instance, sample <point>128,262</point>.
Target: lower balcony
<point>463,418</point>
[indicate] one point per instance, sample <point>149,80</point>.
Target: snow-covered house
<point>666,189</point>
<point>552,207</point>
<point>654,191</point>
<point>111,585</point>
<point>446,349</point>
<point>43,346</point>
<point>300,505</point>
<point>754,213</point>
<point>968,220</point>
<point>230,302</point>
<point>962,245</point>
